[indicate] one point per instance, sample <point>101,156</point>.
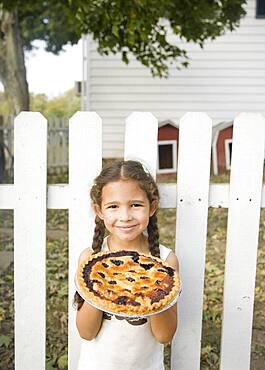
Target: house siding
<point>223,79</point>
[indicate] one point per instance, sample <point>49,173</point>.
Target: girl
<point>125,200</point>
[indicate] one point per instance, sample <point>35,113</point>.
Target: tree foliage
<point>49,20</point>
<point>140,27</point>
<point>61,106</point>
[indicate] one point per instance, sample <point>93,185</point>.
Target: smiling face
<point>125,210</point>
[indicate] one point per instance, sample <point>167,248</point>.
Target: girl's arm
<point>88,318</point>
<point>88,321</point>
<point>164,324</point>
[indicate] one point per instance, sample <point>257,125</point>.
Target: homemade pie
<point>127,282</point>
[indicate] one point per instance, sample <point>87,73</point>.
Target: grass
<point>57,263</point>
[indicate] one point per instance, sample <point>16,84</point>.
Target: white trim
<point>85,85</point>
<point>214,153</point>
<point>174,158</point>
<point>227,154</point>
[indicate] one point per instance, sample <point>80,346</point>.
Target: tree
<point>64,105</point>
<point>126,27</point>
<point>20,24</point>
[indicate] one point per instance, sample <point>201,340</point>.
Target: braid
<point>99,233</point>
<point>153,236</point>
<point>78,301</point>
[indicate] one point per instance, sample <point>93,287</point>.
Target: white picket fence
<point>29,197</point>
<point>57,160</point>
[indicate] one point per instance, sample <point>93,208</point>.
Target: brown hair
<point>124,170</point>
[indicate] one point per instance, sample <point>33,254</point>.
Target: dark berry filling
<point>130,279</point>
<point>134,303</point>
<point>146,266</point>
<point>135,257</point>
<point>170,271</point>
<point>117,262</point>
<point>157,295</point>
<point>101,274</point>
<point>122,300</point>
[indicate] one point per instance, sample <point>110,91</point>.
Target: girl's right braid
<point>99,233</point>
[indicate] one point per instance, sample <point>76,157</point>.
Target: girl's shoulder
<point>84,255</point>
<point>169,256</point>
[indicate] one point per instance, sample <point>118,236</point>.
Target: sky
<point>51,74</point>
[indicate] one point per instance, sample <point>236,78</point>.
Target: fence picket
<point>141,139</point>
<point>242,240</point>
<point>85,147</point>
<point>30,171</point>
<point>191,229</point>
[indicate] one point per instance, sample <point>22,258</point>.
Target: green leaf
<point>62,362</point>
<point>5,340</point>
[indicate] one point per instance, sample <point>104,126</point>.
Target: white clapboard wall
<point>30,197</point>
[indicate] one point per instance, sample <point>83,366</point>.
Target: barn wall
<point>223,135</point>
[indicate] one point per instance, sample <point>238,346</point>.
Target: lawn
<point>57,250</point>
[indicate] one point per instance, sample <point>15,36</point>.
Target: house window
<point>260,9</point>
<point>228,153</point>
<point>167,156</point>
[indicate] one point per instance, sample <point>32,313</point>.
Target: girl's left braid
<point>153,236</point>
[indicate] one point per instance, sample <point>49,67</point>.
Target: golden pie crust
<point>127,282</point>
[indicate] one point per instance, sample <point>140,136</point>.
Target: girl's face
<point>125,210</point>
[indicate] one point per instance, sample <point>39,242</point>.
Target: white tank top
<point>123,344</point>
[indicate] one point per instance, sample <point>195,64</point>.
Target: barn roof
<point>168,122</point>
<point>216,127</point>
<point>221,126</point>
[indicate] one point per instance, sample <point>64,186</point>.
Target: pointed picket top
<point>141,139</point>
<point>30,117</point>
<point>81,116</point>
<point>197,119</point>
<point>246,117</point>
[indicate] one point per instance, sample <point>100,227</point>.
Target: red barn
<point>168,138</point>
<point>222,147</point>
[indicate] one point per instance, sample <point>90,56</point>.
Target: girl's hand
<point>164,324</point>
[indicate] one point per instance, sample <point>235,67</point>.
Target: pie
<point>127,282</point>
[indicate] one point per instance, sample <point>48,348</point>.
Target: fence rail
<point>30,197</point>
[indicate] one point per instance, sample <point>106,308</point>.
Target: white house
<point>223,79</point>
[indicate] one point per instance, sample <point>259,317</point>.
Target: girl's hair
<point>124,170</point>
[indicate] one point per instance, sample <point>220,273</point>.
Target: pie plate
<point>128,315</point>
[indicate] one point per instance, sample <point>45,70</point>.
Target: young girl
<point>125,200</point>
